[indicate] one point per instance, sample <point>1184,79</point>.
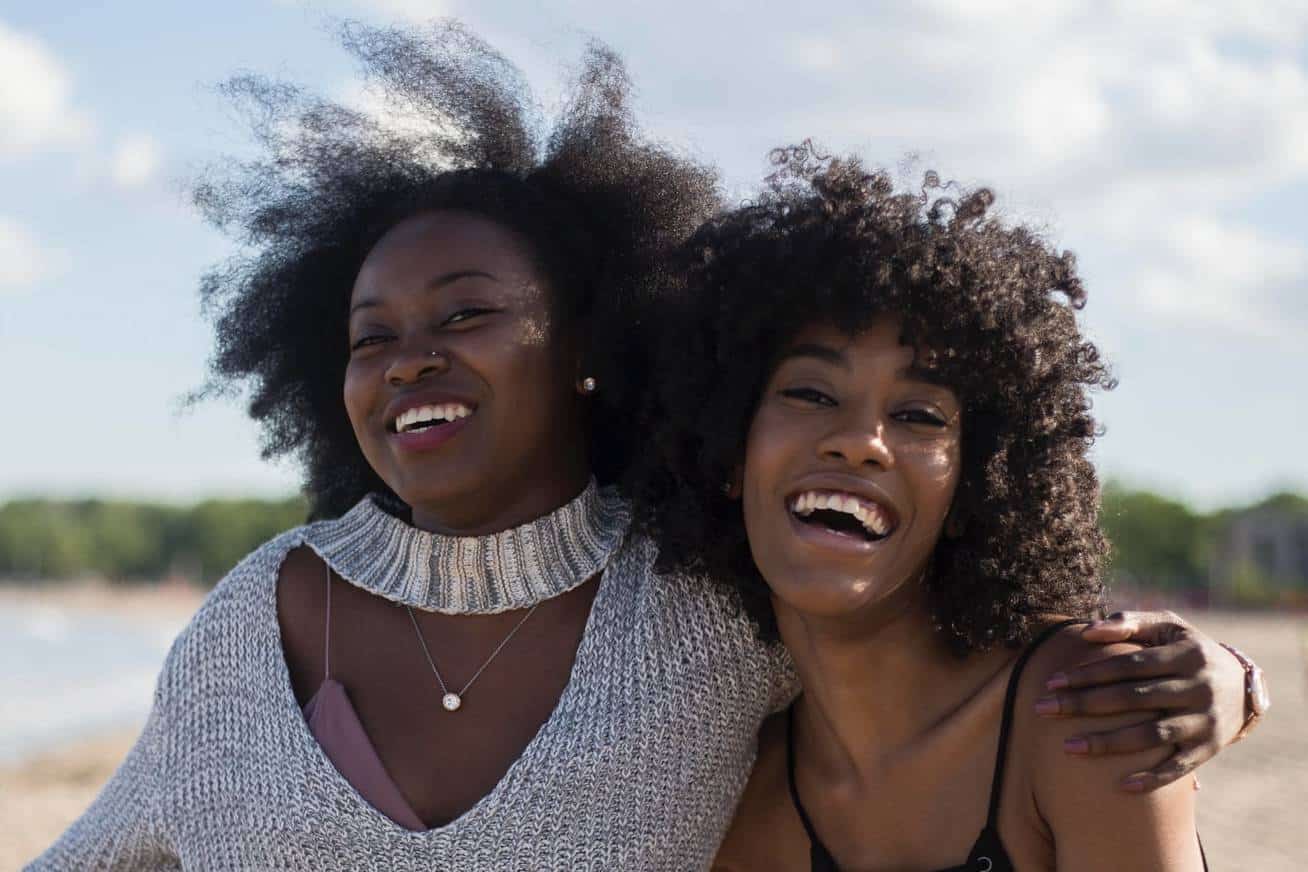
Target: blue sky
<point>1165,141</point>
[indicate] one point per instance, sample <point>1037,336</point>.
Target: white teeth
<point>431,414</point>
<point>872,516</point>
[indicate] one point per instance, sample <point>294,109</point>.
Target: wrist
<point>1256,698</point>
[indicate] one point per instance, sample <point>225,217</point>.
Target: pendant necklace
<point>454,701</point>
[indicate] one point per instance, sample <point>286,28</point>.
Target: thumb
<point>1144,628</point>
<point>1115,628</point>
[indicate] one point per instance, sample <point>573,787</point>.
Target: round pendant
<point>451,701</point>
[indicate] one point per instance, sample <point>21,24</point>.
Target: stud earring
<point>588,385</point>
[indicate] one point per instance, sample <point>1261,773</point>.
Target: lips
<point>422,422</point>
<point>860,516</point>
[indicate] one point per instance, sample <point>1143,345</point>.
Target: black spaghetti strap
<point>790,777</point>
<point>1010,697</point>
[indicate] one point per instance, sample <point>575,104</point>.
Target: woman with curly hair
<point>465,661</point>
<point>895,389</point>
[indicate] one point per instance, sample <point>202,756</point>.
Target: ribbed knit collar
<point>512,569</point>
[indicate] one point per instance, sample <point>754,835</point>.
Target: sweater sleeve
<point>123,828</point>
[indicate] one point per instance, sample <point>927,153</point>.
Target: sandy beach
<point>1251,809</point>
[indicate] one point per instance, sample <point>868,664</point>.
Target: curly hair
<point>599,207</point>
<point>830,242</point>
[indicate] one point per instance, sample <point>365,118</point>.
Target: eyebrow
<point>436,283</point>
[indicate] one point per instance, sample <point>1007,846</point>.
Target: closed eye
<point>921,416</point>
<point>468,314</point>
<point>371,339</point>
<point>808,395</point>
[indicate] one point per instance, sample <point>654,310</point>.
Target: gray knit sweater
<point>639,767</point>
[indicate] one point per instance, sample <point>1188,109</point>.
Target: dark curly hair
<point>831,242</point>
<point>599,206</point>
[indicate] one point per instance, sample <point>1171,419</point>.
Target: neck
<point>512,506</point>
<point>878,686</point>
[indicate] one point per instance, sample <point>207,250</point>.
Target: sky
<point>1163,141</point>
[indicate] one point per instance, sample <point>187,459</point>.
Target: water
<point>66,673</point>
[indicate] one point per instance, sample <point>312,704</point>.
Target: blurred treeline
<point>1250,555</point>
<point>44,540</point>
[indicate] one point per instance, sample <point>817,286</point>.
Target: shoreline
<point>167,600</point>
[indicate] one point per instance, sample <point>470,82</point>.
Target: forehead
<point>426,246</point>
<point>879,342</point>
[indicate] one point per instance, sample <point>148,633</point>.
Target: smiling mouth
<point>423,418</point>
<point>843,514</point>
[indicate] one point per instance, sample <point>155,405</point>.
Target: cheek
<point>356,395</point>
<point>770,449</point>
<point>935,465</point>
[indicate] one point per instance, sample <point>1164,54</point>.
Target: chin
<point>831,596</point>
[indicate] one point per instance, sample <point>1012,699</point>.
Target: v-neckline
<point>532,750</point>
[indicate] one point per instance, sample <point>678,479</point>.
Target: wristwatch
<point>1256,699</point>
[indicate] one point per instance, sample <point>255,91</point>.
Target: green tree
<point>1156,541</point>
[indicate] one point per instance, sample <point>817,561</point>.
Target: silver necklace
<point>454,701</point>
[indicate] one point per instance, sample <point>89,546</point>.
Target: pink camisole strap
<point>335,725</point>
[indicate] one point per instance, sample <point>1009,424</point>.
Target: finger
<point>1147,628</point>
<point>1117,627</point>
<point>1185,730</point>
<point>1116,699</point>
<point>1181,659</point>
<point>1179,765</point>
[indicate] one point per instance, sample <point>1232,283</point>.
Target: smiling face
<point>851,465</point>
<point>460,385</point>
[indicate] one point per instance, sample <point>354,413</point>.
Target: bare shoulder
<point>766,833</point>
<point>1044,736</point>
<point>1079,810</point>
<point>301,615</point>
<point>301,580</point>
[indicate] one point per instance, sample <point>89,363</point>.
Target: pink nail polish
<point>1047,705</point>
<point>1076,745</point>
<point>1057,681</point>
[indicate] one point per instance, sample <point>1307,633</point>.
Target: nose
<point>415,365</point>
<point>858,444</point>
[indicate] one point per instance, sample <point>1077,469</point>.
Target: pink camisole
<point>336,726</point>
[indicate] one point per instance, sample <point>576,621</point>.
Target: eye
<point>810,396</point>
<point>467,314</point>
<point>921,416</point>
<point>371,339</point>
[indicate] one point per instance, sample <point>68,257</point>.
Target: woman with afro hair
<point>894,389</point>
<point>465,661</point>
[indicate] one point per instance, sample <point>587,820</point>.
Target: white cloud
<point>409,10</point>
<point>1143,125</point>
<point>23,260</point>
<point>35,106</point>
<point>134,161</point>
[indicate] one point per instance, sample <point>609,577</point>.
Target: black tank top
<point>987,854</point>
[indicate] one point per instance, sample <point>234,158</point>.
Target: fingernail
<point>1076,745</point>
<point>1057,681</point>
<point>1135,783</point>
<point>1095,625</point>
<point>1047,705</point>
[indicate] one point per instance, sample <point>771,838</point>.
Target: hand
<point>1193,684</point>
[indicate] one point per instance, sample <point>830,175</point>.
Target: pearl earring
<point>588,385</point>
